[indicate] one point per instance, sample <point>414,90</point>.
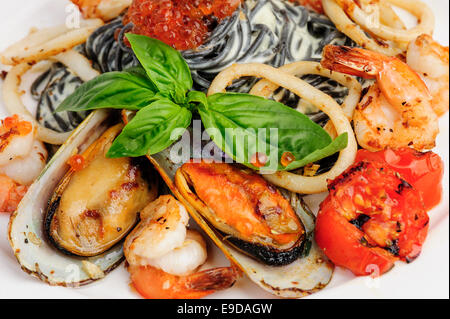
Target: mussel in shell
<point>36,252</point>
<point>97,206</point>
<point>251,213</point>
<point>308,273</point>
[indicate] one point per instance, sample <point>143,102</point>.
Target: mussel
<point>307,273</point>
<point>34,233</point>
<point>251,213</point>
<point>95,207</point>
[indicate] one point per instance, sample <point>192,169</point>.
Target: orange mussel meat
<point>251,212</point>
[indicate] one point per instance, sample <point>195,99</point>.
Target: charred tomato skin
<point>423,171</point>
<point>371,218</point>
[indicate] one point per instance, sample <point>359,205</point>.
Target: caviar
<point>77,162</point>
<point>15,124</point>
<point>259,160</point>
<point>183,24</point>
<point>287,158</point>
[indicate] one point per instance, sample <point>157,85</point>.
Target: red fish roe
<point>14,123</point>
<point>77,162</point>
<point>259,160</point>
<point>12,127</point>
<point>183,24</point>
<point>287,158</point>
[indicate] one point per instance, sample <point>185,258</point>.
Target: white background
<point>427,277</point>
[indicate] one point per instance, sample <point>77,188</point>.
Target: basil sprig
<point>130,89</point>
<point>254,117</point>
<point>160,90</point>
<point>146,133</point>
<point>165,66</point>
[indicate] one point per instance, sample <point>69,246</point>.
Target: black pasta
<point>289,33</point>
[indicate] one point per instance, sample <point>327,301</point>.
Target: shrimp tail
<point>213,279</point>
<point>153,283</point>
<point>353,61</point>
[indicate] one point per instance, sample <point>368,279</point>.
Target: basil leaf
<point>197,97</point>
<point>150,131</point>
<point>164,65</point>
<point>130,89</point>
<point>338,144</point>
<point>265,126</point>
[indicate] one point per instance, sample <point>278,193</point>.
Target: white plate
<point>427,277</point>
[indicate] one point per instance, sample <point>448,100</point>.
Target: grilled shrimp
<point>430,60</point>
<point>22,158</point>
<point>164,256</point>
<point>396,111</point>
<point>103,9</point>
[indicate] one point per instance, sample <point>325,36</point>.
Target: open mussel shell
<point>27,237</point>
<point>91,211</point>
<point>304,276</point>
<point>270,210</point>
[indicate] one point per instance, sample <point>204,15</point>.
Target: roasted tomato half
<point>423,171</point>
<point>371,218</point>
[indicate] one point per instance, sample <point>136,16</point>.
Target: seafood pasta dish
<point>198,144</point>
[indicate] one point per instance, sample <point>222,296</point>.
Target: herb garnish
<point>159,91</point>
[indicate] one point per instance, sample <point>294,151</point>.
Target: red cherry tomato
<point>423,171</point>
<point>371,218</point>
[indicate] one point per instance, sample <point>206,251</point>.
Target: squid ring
<point>12,97</point>
<point>417,8</point>
<point>390,28</point>
<point>42,44</point>
<point>265,88</point>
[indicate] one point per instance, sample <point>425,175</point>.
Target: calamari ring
<point>79,64</point>
<point>265,88</point>
<point>390,17</point>
<point>419,9</point>
<point>42,44</point>
<point>389,21</point>
<point>287,180</point>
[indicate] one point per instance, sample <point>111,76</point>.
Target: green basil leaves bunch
<point>160,91</point>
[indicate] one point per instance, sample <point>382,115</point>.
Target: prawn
<point>103,9</point>
<point>396,111</point>
<point>22,158</point>
<point>163,255</point>
<point>431,61</point>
